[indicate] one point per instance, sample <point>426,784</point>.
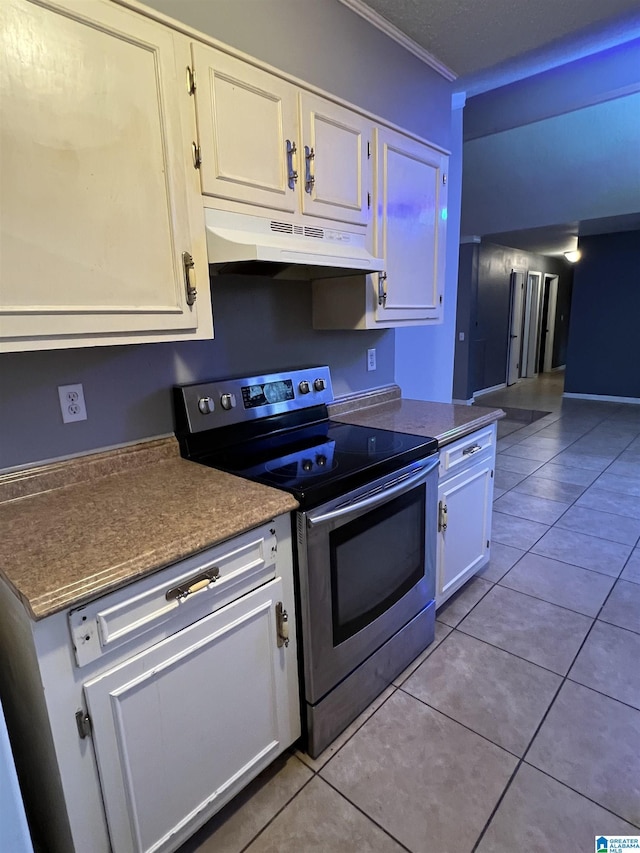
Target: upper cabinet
<point>101,231</point>
<point>410,204</point>
<point>264,143</point>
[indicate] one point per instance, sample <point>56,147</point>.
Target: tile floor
<point>519,727</point>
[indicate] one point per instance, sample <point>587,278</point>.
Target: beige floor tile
<point>608,662</point>
<point>608,501</point>
<point>567,474</point>
<point>559,583</point>
<point>319,762</point>
<point>534,630</point>
<point>529,506</point>
<point>592,744</point>
<point>619,483</point>
<point>457,607</point>
<point>631,570</point>
<point>430,782</point>
<point>490,691</point>
<point>623,606</point>
<point>503,557</point>
<point>551,489</point>
<point>319,820</point>
<point>576,459</point>
<point>616,528</point>
<point>580,549</point>
<point>246,815</point>
<point>540,815</point>
<point>517,532</point>
<point>507,479</point>
<point>516,464</point>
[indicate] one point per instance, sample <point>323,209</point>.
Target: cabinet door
<point>465,501</point>
<point>97,202</point>
<point>410,228</point>
<point>334,167</point>
<point>245,117</point>
<point>181,727</point>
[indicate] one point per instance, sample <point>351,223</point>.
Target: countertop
<point>444,421</point>
<point>122,515</point>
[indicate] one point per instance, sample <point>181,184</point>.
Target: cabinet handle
<point>442,516</point>
<point>292,174</point>
<point>473,449</point>
<point>309,179</point>
<point>202,581</point>
<point>282,625</point>
<point>382,289</point>
<point>188,266</point>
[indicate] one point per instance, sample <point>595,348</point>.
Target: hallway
<point>519,727</point>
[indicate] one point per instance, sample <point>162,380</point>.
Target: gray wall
<point>258,323</point>
<point>603,353</point>
<point>486,272</point>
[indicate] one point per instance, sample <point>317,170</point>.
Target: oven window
<point>375,560</point>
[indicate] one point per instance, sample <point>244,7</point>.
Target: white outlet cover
<point>371,358</point>
<point>72,403</point>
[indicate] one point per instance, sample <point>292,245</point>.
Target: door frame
<point>551,281</point>
<point>516,324</point>
<point>532,313</point>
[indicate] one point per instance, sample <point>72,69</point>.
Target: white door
<point>334,167</point>
<point>464,503</point>
<point>247,121</point>
<point>96,195</point>
<point>531,324</point>
<point>181,727</point>
<point>549,330</point>
<point>410,228</point>
<point>515,328</point>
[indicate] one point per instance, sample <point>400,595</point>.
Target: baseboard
<point>605,398</point>
<point>489,390</point>
<point>468,402</point>
<point>558,368</point>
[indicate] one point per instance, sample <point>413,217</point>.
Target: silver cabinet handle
<point>197,583</point>
<point>382,288</point>
<point>309,179</point>
<point>443,514</point>
<point>292,174</point>
<point>473,449</point>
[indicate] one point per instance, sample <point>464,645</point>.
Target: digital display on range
<point>267,393</point>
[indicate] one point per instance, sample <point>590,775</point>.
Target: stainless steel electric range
<point>365,532</point>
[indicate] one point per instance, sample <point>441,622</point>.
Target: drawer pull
<point>442,516</point>
<point>473,449</point>
<point>194,585</point>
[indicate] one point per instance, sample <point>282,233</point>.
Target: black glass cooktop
<point>319,461</point>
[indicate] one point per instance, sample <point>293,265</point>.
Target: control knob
<point>307,464</point>
<point>228,401</point>
<point>321,460</point>
<point>206,405</point>
<point>319,384</point>
<point>303,387</point>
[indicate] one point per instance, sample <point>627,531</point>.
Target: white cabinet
<point>465,494</point>
<point>149,708</point>
<point>267,144</point>
<point>99,199</point>
<point>410,203</point>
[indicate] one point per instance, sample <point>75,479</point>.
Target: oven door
<point>367,567</point>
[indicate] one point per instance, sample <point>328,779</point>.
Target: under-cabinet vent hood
<point>238,243</point>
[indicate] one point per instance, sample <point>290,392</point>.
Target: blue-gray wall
<point>258,323</point>
<point>603,353</point>
<point>485,275</point>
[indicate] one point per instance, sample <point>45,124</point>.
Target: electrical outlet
<point>371,358</point>
<point>72,403</point>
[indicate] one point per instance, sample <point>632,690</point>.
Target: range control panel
<point>230,401</point>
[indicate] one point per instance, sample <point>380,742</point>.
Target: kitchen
<point>256,321</point>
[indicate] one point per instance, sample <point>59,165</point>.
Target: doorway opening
<point>547,323</point>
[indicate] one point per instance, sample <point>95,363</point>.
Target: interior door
<point>531,324</point>
<point>514,359</point>
<point>551,323</point>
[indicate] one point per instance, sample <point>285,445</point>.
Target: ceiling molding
<point>398,36</point>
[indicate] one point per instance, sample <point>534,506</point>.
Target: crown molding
<point>398,36</point>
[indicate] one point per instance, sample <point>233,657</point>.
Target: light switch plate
<point>72,403</point>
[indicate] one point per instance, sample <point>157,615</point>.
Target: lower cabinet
<point>465,494</point>
<point>154,705</point>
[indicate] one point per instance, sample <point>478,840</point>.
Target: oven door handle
<point>378,497</point>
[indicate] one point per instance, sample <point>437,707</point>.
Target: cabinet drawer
<point>465,451</point>
<point>185,592</point>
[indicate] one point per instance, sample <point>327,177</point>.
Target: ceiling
<point>470,36</point>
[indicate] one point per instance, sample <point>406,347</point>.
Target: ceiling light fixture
<point>574,256</point>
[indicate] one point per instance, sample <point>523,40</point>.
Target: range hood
<point>239,243</point>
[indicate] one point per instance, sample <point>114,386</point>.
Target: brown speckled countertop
<point>444,421</point>
<point>61,545</point>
